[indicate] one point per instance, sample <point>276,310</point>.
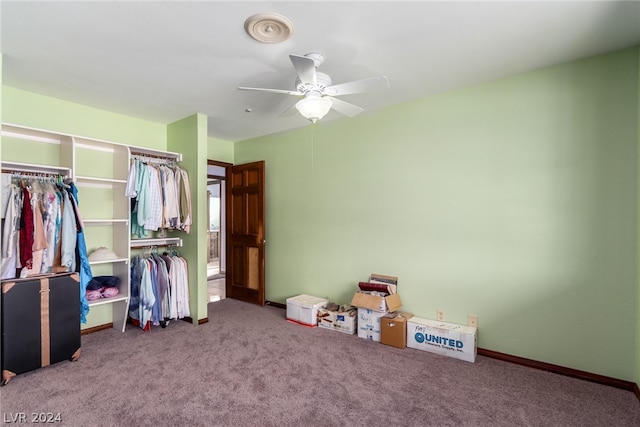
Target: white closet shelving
<point>100,172</point>
<point>99,169</point>
<point>36,169</point>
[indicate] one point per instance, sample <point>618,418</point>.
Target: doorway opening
<point>216,236</point>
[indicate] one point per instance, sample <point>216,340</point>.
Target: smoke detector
<point>268,27</point>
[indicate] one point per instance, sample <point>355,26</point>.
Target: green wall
<point>219,150</point>
<point>43,112</point>
<point>189,137</point>
<point>513,200</point>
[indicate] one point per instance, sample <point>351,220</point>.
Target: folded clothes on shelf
<point>107,281</point>
<point>102,287</point>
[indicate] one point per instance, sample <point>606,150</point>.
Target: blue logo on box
<point>433,339</point>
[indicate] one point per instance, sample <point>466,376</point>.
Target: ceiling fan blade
<point>306,69</point>
<point>358,86</point>
<point>346,108</point>
<point>261,89</point>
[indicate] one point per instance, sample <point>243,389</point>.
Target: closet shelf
<point>168,241</point>
<point>103,221</point>
<point>30,134</point>
<point>110,261</point>
<point>32,168</point>
<point>88,179</point>
<point>108,300</point>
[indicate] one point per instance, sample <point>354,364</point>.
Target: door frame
<point>227,217</point>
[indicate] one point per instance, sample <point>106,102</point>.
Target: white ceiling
<point>163,61</point>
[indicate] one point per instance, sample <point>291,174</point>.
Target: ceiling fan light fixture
<point>314,108</point>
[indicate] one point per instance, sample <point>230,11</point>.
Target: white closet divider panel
<point>101,169</point>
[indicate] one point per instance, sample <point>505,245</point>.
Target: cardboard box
<point>393,329</point>
<point>303,309</point>
<point>326,318</point>
<point>447,339</point>
<point>345,321</point>
<point>371,308</point>
<point>376,303</point>
<point>369,324</point>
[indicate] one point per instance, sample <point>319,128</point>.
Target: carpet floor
<point>249,367</point>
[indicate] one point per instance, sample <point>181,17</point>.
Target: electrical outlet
<point>472,320</point>
<point>440,314</point>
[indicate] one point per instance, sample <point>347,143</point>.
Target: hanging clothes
<point>172,291</point>
<point>141,208</point>
<point>171,206</point>
<point>135,283</point>
<point>39,240</point>
<point>182,299</point>
<point>163,289</point>
<point>52,218</point>
<point>26,230</point>
<point>185,202</point>
<point>81,250</point>
<point>160,196</point>
<point>155,199</point>
<point>43,232</point>
<point>68,234</point>
<point>142,299</point>
<point>10,233</point>
<point>159,289</point>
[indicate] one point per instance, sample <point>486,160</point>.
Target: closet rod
<point>152,158</point>
<point>34,175</point>
<point>169,241</point>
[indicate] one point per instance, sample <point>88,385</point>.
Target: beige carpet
<point>248,366</point>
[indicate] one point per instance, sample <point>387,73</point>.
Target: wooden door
<point>245,278</point>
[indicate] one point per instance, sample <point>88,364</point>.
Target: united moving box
<point>303,309</point>
<point>370,309</point>
<point>442,338</point>
<point>393,329</point>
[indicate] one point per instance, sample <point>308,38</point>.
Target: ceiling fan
<point>318,92</point>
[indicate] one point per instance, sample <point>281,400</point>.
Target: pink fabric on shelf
<point>94,295</point>
<point>109,292</point>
